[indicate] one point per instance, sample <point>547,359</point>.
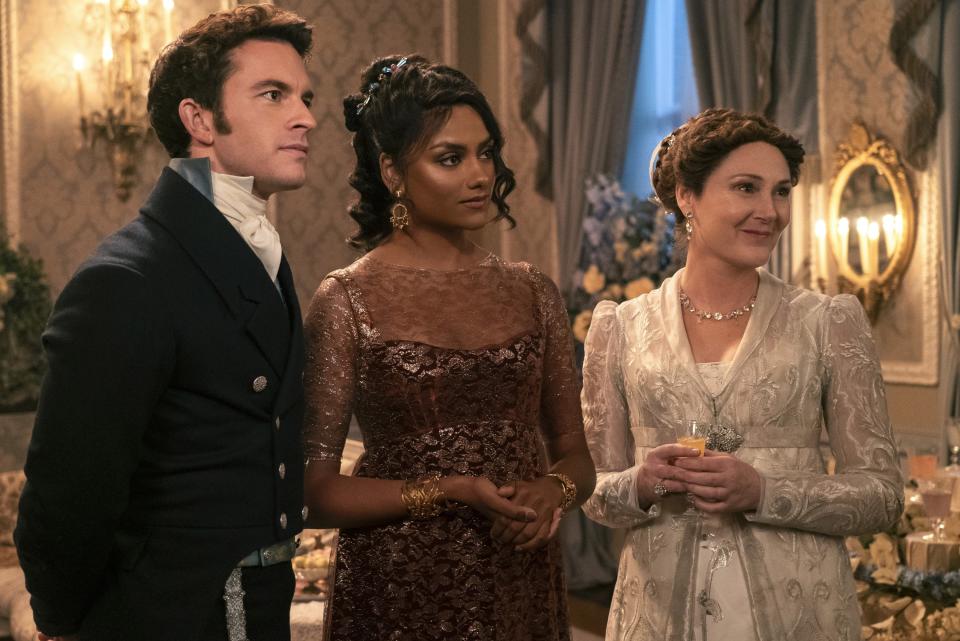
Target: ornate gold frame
<point>860,149</point>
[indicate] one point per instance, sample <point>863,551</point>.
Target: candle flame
<point>79,62</point>
<point>168,5</point>
<point>862,225</point>
<point>873,232</point>
<point>820,228</point>
<point>107,52</point>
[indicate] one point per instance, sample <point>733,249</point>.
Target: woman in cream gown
<point>746,542</point>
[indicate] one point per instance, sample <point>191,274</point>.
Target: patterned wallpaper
<point>349,34</point>
<point>858,80</point>
<point>67,204</point>
<point>535,237</point>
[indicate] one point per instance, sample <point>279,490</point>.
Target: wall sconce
<point>870,230</point>
<point>127,35</point>
<point>112,92</point>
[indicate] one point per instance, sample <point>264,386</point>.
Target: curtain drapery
<point>591,57</point>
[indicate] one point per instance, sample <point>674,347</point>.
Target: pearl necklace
<point>717,316</point>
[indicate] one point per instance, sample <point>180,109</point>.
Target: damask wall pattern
<point>348,35</point>
<point>535,237</point>
<point>858,80</point>
<point>67,204</point>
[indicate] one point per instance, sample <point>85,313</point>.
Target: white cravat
<point>233,196</point>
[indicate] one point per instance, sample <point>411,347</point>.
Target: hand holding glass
<point>693,434</point>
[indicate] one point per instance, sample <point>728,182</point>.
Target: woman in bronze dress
<point>459,368</point>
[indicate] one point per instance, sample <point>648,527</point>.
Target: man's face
<point>266,105</point>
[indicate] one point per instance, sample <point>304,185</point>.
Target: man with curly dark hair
<point>165,475</point>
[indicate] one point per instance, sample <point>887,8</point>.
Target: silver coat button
<point>304,512</point>
<point>276,422</point>
<point>282,470</point>
<point>283,520</point>
<point>259,383</point>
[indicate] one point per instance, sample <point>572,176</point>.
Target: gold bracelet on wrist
<point>423,497</point>
<point>569,490</point>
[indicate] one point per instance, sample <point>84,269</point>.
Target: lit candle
<point>820,231</point>
<point>890,234</point>
<point>843,232</point>
<point>167,23</point>
<point>106,53</point>
<point>873,239</point>
<point>862,226</point>
<point>79,64</point>
<point>142,28</point>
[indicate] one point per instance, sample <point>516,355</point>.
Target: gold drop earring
<point>688,225</point>
<point>399,214</point>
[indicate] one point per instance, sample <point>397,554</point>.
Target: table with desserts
<point>313,567</point>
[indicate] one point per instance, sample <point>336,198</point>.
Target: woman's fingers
<point>708,492</point>
<point>672,451</point>
<point>555,524</point>
<point>538,538</point>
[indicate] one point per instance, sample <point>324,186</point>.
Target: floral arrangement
<point>898,603</point>
<point>627,250</point>
<point>24,309</point>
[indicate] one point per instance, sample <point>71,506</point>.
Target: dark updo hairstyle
<point>690,154</point>
<point>399,115</point>
<point>197,64</point>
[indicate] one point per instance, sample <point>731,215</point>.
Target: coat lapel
<point>291,389</point>
<point>769,295</point>
<point>226,260</point>
<point>671,317</point>
<point>768,300</point>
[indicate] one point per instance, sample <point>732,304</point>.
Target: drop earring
<point>399,215</point>
<point>688,225</point>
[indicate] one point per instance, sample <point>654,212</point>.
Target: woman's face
<point>743,208</point>
<point>448,183</point>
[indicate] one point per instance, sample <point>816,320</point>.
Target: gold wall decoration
<point>871,224</point>
<point>112,91</point>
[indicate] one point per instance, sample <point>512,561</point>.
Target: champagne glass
<point>692,434</point>
<point>937,493</point>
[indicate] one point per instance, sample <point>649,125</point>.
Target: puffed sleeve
<point>606,420</point>
<point>560,396</point>
<point>866,494</point>
<point>330,375</point>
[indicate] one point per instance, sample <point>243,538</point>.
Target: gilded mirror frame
<point>863,149</point>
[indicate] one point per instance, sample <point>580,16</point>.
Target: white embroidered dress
<point>805,360</point>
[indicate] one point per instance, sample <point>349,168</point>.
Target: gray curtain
<point>925,45</point>
<point>943,54</point>
<point>759,56</point>
<point>591,55</point>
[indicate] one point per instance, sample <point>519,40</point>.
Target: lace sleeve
<point>866,494</point>
<point>560,396</point>
<point>606,421</point>
<point>329,378</point>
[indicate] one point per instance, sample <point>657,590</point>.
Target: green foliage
<point>24,315</point>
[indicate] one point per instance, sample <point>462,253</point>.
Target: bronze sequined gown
<point>450,372</point>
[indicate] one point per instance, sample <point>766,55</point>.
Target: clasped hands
<point>524,514</point>
<point>716,482</point>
